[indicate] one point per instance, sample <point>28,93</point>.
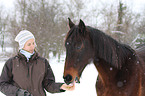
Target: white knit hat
<point>23,37</point>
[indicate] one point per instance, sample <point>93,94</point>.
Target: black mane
<point>106,48</point>
<point>109,49</point>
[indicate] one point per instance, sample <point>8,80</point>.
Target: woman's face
<point>29,46</point>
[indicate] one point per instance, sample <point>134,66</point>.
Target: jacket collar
<point>33,57</point>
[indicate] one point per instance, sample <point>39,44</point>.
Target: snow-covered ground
<point>87,81</point>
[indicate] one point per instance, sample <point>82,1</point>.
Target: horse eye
<point>78,47</point>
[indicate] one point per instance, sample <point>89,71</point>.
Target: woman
<point>28,74</point>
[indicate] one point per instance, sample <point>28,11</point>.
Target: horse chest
<point>119,89</point>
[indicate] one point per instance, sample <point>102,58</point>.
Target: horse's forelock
<point>74,34</point>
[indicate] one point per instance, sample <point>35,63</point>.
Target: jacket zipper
<point>28,68</point>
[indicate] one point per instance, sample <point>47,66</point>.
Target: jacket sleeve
<point>6,80</point>
<point>49,80</point>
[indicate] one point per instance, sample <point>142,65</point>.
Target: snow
<point>87,81</point>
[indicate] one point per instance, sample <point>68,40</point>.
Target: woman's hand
<point>69,87</point>
<point>22,92</point>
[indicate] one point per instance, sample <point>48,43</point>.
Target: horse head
<point>78,51</point>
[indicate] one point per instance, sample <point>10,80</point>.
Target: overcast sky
<point>7,3</point>
<point>136,5</point>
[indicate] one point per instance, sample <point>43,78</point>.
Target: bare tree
<point>119,22</point>
<point>45,20</point>
<point>141,24</point>
<point>121,13</point>
<point>108,19</point>
<point>3,25</point>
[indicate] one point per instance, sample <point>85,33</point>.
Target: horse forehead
<point>73,38</point>
<point>73,31</point>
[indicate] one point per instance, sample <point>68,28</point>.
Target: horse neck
<point>106,72</point>
<point>111,55</point>
<point>109,73</point>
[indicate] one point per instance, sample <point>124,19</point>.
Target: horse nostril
<point>68,78</point>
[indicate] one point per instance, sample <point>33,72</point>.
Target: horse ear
<point>71,24</point>
<point>82,26</point>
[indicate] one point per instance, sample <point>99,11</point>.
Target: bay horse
<point>120,68</point>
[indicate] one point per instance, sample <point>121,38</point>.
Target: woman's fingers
<point>68,87</point>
